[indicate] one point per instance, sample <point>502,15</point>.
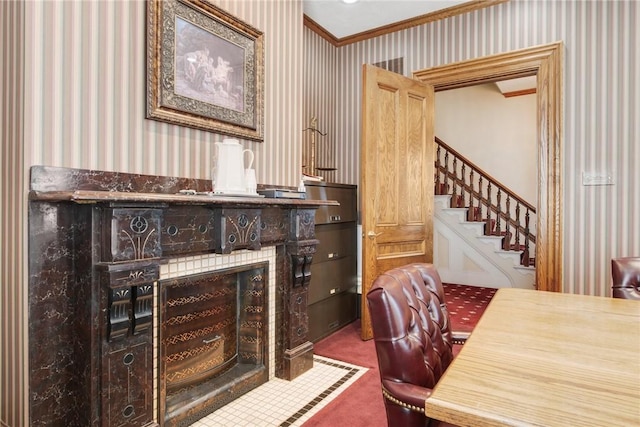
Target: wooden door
<point>396,175</point>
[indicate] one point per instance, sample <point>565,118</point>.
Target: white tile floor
<point>287,403</point>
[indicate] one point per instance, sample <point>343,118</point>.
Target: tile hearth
<point>287,403</point>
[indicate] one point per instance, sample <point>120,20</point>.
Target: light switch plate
<point>597,178</point>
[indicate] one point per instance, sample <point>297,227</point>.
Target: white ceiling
<point>344,20</point>
<point>515,85</point>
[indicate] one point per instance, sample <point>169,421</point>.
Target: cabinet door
<point>331,314</point>
<point>331,278</point>
<point>336,241</point>
<point>346,196</point>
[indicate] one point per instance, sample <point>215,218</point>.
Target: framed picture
<point>205,69</point>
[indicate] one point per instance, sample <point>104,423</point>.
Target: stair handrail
<point>491,181</point>
<point>485,175</point>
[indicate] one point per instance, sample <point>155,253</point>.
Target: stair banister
<point>476,213</point>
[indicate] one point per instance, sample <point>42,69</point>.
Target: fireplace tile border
<point>350,372</point>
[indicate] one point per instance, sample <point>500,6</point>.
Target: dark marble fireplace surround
<point>96,243</point>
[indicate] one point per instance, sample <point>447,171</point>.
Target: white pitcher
<point>229,170</point>
<point>250,179</point>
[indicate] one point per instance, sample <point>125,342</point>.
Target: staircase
<point>465,255</point>
<point>482,229</point>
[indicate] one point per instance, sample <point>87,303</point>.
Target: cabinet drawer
<point>331,278</point>
<point>336,241</point>
<point>329,315</point>
<point>346,196</point>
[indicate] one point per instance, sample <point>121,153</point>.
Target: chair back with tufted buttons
<point>413,339</point>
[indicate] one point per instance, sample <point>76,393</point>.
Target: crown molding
<point>519,92</point>
<point>401,25</point>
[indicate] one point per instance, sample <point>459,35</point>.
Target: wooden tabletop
<point>545,359</point>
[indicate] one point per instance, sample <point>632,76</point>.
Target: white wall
<point>496,133</point>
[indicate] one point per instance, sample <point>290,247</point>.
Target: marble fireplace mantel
<point>96,242</point>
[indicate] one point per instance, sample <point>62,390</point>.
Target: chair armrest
<point>460,337</point>
<point>407,395</point>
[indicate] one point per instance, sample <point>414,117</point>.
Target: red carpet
<point>466,305</point>
<point>361,405</point>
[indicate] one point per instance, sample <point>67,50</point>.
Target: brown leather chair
<point>626,277</point>
<point>413,340</point>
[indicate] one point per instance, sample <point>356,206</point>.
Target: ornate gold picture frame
<point>205,69</point>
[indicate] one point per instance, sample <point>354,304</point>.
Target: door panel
<point>396,175</point>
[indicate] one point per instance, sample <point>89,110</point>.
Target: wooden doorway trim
<point>545,62</point>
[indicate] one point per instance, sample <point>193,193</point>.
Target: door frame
<point>545,62</point>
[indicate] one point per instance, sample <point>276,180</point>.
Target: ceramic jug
<point>229,170</point>
<point>250,181</point>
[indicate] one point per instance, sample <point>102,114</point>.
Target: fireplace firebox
<point>97,244</point>
<point>213,336</point>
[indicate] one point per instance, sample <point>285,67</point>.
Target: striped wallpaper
<point>86,92</point>
<point>84,102</point>
<point>74,95</point>
<point>319,102</point>
<point>13,302</point>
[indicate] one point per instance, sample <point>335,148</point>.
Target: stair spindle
<point>462,185</point>
<point>518,225</point>
<point>437,177</point>
<point>479,213</point>
<point>470,204</point>
<point>488,228</point>
<point>454,179</point>
<point>506,243</point>
<point>499,211</point>
<point>446,171</point>
<point>527,260</point>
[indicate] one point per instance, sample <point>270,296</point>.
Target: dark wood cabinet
<point>333,298</point>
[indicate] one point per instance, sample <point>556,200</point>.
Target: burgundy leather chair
<point>413,340</point>
<point>626,277</point>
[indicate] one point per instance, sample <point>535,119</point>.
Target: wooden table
<point>545,359</point>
